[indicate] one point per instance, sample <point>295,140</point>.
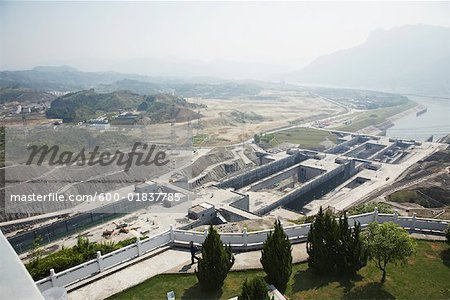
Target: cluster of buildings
<point>103,122</point>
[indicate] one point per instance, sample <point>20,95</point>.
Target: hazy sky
<point>290,33</point>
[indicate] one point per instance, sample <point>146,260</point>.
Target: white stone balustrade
<point>240,241</point>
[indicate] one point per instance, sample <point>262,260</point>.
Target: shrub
<point>257,138</point>
<point>59,261</point>
<point>255,289</point>
<point>83,251</point>
<point>383,208</point>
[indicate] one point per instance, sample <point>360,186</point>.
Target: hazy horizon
<point>97,36</point>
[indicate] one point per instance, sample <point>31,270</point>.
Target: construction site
<point>235,187</point>
<point>301,180</point>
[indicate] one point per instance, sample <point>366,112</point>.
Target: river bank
<point>435,121</point>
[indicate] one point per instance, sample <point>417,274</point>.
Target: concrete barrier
<point>238,241</point>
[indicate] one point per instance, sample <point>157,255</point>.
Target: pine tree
<point>333,247</point>
<point>352,254</point>
<point>276,257</point>
<point>255,289</point>
<point>322,243</point>
<point>215,262</point>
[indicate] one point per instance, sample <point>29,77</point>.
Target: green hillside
<point>89,104</point>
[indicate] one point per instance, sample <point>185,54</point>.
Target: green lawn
<point>375,116</point>
<point>308,138</point>
<point>425,276</point>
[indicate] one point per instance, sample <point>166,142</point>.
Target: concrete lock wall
<point>303,189</point>
<point>306,173</point>
<point>342,146</point>
<point>238,241</point>
<point>231,216</point>
<point>274,178</point>
<point>243,203</point>
<point>261,172</point>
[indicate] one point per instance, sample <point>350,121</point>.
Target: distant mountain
<point>186,68</point>
<point>88,104</point>
<point>55,69</point>
<point>220,89</point>
<point>135,86</point>
<point>63,78</point>
<point>412,57</point>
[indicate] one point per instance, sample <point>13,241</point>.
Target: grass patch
<point>185,286</point>
<point>383,208</point>
<point>246,117</point>
<point>406,196</point>
<point>308,138</point>
<point>375,116</point>
<point>197,140</point>
<point>425,276</point>
<point>302,220</point>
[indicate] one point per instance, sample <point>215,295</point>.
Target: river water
<point>436,121</point>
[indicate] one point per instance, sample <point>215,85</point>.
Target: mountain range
<point>411,57</point>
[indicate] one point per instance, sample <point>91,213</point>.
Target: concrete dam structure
<point>314,183</point>
<point>261,172</point>
<point>291,181</point>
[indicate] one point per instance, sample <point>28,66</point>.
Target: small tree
<point>215,262</point>
<point>388,243</point>
<point>255,289</point>
<point>276,257</point>
<point>36,252</point>
<point>257,138</point>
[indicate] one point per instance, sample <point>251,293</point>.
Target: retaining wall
<point>261,172</point>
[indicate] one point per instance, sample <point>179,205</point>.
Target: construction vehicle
<point>107,233</point>
<point>124,230</point>
<point>119,226</point>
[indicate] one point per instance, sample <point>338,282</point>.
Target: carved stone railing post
<point>244,237</point>
<point>101,266</point>
<point>375,214</point>
<point>53,278</point>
